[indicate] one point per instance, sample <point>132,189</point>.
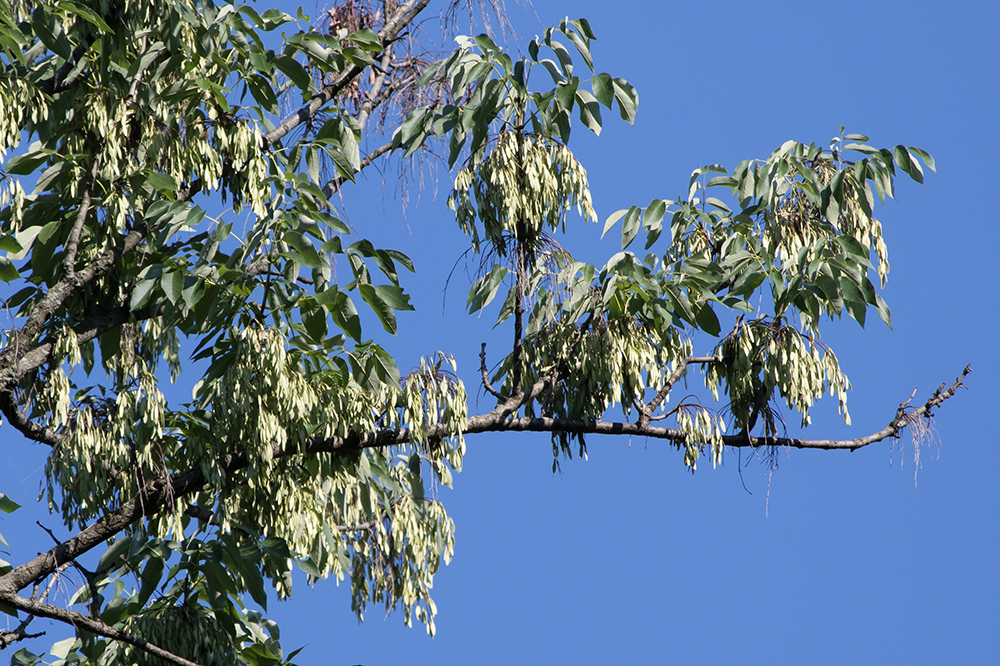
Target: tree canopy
<point>169,196</point>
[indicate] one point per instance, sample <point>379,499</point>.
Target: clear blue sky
<point>627,558</point>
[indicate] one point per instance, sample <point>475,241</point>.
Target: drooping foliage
<point>131,131</point>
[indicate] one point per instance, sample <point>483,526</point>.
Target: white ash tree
<point>126,126</point>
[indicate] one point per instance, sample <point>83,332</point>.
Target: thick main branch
<point>12,360</point>
<point>163,492</point>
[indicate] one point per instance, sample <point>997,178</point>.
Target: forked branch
<point>646,413</point>
<point>403,16</point>
<point>72,618</point>
<point>486,376</point>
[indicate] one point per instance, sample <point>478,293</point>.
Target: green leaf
<point>413,131</point>
<point>161,181</point>
<point>604,89</point>
<point>222,232</point>
<point>554,71</point>
<point>383,300</point>
<point>883,310</point>
<point>385,367</point>
<point>8,272</point>
<point>86,15</point>
<point>7,505</point>
<point>707,320</point>
<point>262,92</point>
<point>274,18</point>
<point>251,14</point>
<point>507,309</point>
<point>172,283</point>
<point>312,164</point>
<point>23,165</point>
<point>928,160</point>
<point>712,201</point>
<point>148,280</point>
<point>335,224</point>
<point>152,53</point>
<point>562,53</point>
<point>309,567</point>
<point>315,322</point>
<point>358,57</point>
<point>628,99</point>
<point>581,45</point>
<point>653,217</point>
<point>345,167</point>
<point>345,315</point>
<point>631,226</point>
<point>566,92</point>
<point>416,482</point>
<point>748,281</point>
<point>854,301</point>
<point>485,289</point>
<point>366,39</point>
<point>590,111</point>
<point>907,164</point>
<point>21,656</point>
<point>295,72</point>
<point>403,259</point>
<point>114,556</point>
<point>51,33</point>
<point>723,181</point>
<point>429,73</point>
<point>62,648</point>
<point>861,148</point>
<point>394,296</point>
<point>194,289</point>
<point>562,123</point>
<point>455,145</point>
<point>151,574</point>
<point>612,220</point>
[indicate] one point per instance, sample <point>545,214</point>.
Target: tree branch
<point>59,82</point>
<point>81,621</point>
<point>8,638</point>
<point>91,327</point>
<point>207,517</point>
<point>404,15</point>
<point>486,376</point>
<point>26,426</point>
<point>162,492</point>
<point>88,329</point>
<point>646,413</point>
<point>73,242</point>
<point>49,303</point>
<point>335,183</point>
<point>373,97</point>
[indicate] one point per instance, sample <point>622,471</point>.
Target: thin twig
<point>8,638</point>
<point>95,604</point>
<point>486,377</point>
<point>647,412</point>
<point>334,184</point>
